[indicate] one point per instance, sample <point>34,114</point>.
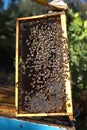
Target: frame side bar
<point>16,66</point>
<point>67,83</point>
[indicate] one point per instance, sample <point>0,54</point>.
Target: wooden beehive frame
<point>69,109</point>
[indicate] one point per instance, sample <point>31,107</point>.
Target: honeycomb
<point>43,59</point>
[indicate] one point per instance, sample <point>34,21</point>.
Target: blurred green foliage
<point>77,34</point>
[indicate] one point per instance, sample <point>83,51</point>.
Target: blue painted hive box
<point>14,124</point>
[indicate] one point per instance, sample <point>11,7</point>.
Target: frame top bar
<point>41,16</point>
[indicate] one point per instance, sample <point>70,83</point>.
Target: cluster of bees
<point>41,69</point>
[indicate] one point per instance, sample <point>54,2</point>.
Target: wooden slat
<point>7,95</point>
<point>43,114</point>
<point>16,67</point>
<point>7,110</point>
<point>7,101</point>
<point>40,16</point>
<point>69,107</point>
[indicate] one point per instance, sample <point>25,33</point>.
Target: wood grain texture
<point>7,95</point>
<point>7,101</point>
